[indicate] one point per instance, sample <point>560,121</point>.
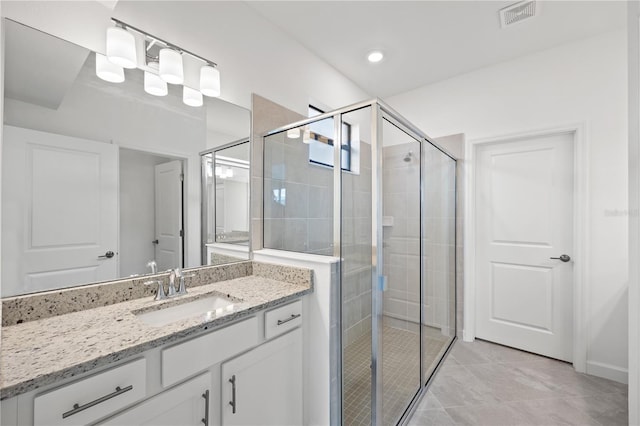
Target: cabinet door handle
<point>205,395</point>
<point>77,407</point>
<point>232,403</point>
<point>291,318</point>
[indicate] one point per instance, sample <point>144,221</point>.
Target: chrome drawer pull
<point>291,318</point>
<point>232,403</point>
<point>77,408</point>
<point>205,395</point>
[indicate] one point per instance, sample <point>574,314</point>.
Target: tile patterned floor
<point>482,383</point>
<point>400,373</point>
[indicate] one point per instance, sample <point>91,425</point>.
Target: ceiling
<point>428,41</point>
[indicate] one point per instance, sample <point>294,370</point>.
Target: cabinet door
<point>185,405</point>
<point>264,386</point>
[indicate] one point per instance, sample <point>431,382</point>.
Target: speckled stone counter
<point>38,353</point>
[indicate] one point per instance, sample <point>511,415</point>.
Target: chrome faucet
<point>181,276</point>
<point>172,292</point>
<point>153,265</point>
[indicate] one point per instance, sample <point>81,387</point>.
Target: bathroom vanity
<point>239,364</point>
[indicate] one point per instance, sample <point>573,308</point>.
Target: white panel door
<point>264,386</point>
<point>59,211</point>
<point>169,215</point>
<point>524,218</point>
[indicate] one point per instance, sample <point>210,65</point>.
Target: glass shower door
<point>399,332</point>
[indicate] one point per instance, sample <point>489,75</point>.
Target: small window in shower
<point>321,141</point>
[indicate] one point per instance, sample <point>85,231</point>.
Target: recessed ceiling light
<point>375,56</point>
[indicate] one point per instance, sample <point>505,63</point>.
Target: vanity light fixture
<point>161,66</point>
<point>191,97</point>
<point>108,71</point>
<point>209,81</point>
<point>153,84</point>
<point>121,47</point>
<point>171,69</point>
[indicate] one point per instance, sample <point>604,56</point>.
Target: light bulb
<point>171,69</point>
<point>375,56</point>
<point>191,97</point>
<point>209,81</point>
<point>108,71</point>
<point>121,47</point>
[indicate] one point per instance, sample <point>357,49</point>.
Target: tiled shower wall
<point>298,198</point>
<point>356,248</point>
<point>401,234</point>
<point>402,237</point>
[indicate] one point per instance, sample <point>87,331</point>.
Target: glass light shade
<point>293,133</point>
<point>191,97</point>
<point>171,69</point>
<point>121,47</point>
<point>107,70</point>
<point>209,81</point>
<point>153,84</point>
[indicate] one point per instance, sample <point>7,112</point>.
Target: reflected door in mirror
<point>60,197</point>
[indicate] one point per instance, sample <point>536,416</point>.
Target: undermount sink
<point>208,307</point>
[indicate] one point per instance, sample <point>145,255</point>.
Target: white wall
<point>253,55</point>
<point>578,83</point>
<point>633,29</point>
<point>137,210</point>
<point>236,206</point>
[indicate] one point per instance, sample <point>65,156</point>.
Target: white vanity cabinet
<point>264,385</point>
<point>187,404</point>
<point>186,383</point>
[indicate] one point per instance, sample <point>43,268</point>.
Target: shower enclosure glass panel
<point>438,283</point>
<point>388,214</point>
<point>298,189</point>
<point>356,270</point>
<point>400,343</point>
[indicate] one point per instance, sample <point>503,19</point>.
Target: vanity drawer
<point>89,399</point>
<point>185,359</point>
<point>282,319</point>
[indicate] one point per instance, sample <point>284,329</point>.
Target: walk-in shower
<point>388,213</point>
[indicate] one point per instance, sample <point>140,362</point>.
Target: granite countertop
<point>38,353</point>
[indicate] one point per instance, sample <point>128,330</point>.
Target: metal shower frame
<point>380,111</point>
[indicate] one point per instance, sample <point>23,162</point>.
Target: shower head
<point>407,157</point>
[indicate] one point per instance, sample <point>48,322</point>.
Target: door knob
<point>155,242</point>
<point>107,255</point>
<point>563,258</point>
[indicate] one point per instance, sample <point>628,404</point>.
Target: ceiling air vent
<point>518,12</point>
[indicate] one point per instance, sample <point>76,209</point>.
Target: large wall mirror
<point>100,179</point>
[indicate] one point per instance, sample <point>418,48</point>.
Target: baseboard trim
<point>467,337</point>
<point>608,371</point>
